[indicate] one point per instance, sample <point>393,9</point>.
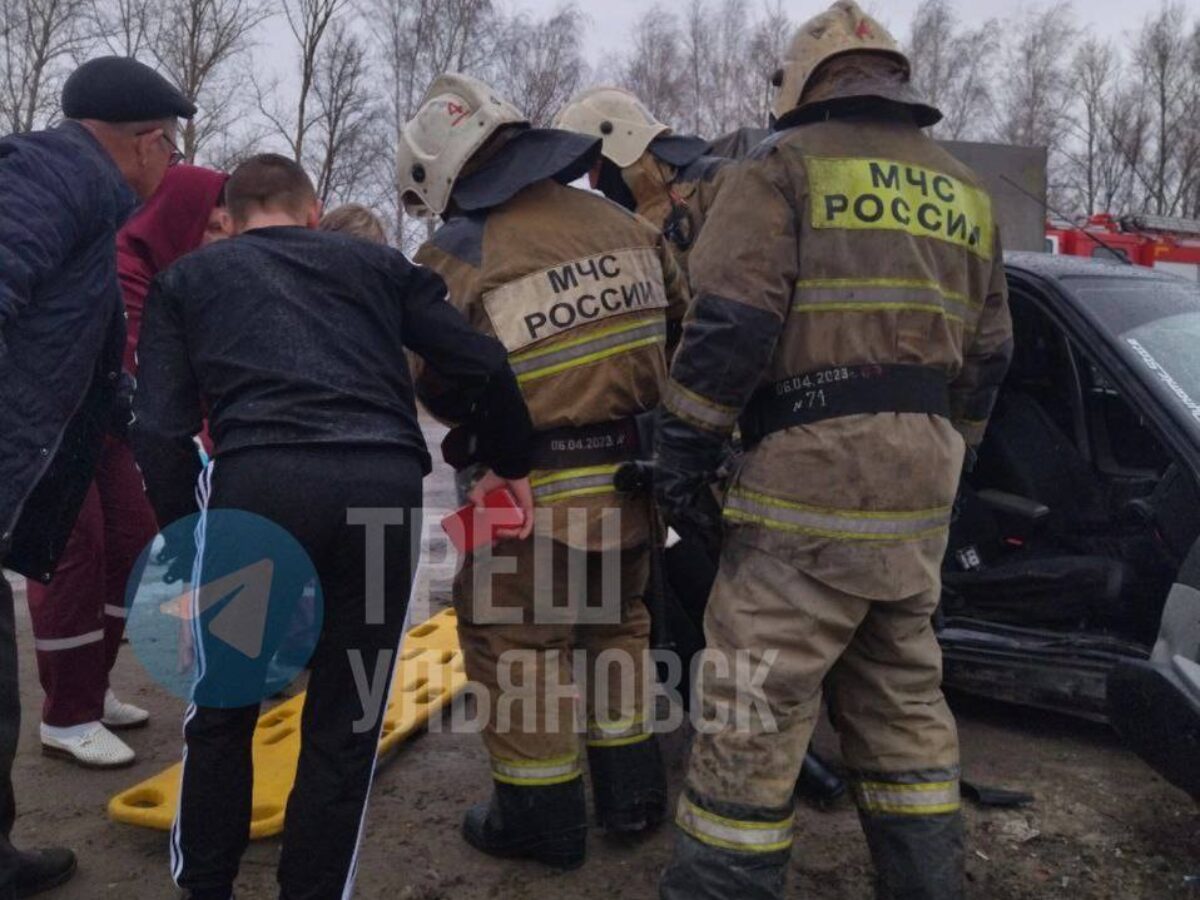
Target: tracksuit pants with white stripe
<point>79,617</point>
<point>307,491</point>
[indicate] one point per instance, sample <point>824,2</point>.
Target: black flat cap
<point>121,89</point>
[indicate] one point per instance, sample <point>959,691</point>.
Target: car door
<point>1155,704</point>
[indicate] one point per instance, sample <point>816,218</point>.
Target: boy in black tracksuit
<point>293,340</point>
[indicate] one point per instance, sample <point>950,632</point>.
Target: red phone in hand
<point>471,527</point>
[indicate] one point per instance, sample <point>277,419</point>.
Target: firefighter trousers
<point>775,637</point>
<point>543,626</point>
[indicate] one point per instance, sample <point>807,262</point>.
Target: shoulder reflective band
<point>755,508</point>
<point>603,343</point>
<point>733,834</point>
<point>578,292</point>
<point>536,772</point>
<point>618,733</point>
<point>888,294</point>
<point>587,445</point>
<point>886,195</point>
<point>844,391</point>
<point>928,799</point>
<point>698,410</point>
<point>573,483</point>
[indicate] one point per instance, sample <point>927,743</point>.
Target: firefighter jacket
<point>841,255</point>
<point>675,199</point>
<point>579,291</point>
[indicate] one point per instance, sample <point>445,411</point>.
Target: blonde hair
<point>356,220</point>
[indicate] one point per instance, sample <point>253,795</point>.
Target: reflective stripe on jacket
<point>579,291</point>
<point>847,243</point>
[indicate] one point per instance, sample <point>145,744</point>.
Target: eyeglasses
<point>176,156</point>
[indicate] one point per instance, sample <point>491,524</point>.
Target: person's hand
<point>687,462</point>
<point>687,503</point>
<point>522,492</point>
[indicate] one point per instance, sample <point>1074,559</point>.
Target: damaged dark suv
<point>1072,580</point>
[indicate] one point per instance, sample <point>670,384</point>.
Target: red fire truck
<point>1158,242</point>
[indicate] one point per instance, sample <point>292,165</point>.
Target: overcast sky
<point>611,19</point>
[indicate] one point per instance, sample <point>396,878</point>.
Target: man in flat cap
<point>67,191</point>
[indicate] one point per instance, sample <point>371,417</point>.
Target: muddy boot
<point>702,872</point>
<point>818,784</point>
<point>724,851</point>
<point>41,870</point>
<point>916,857</point>
<point>547,824</point>
<point>629,785</point>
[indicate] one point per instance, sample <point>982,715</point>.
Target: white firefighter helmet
<point>456,117</point>
<point>617,117</point>
<point>843,28</point>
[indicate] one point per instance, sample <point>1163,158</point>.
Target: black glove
<point>686,463</point>
<point>121,416</point>
<point>687,503</point>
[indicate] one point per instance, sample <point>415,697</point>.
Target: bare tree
<point>1098,173</point>
<point>769,40</point>
<point>1191,194</point>
<point>655,66</point>
<point>346,142</point>
<point>420,39</point>
<point>953,68</point>
<point>1035,93</point>
<point>308,21</point>
<point>538,64</point>
<point>697,39</point>
<point>35,36</point>
<point>711,73</point>
<point>1163,58</point>
<point>1034,97</point>
<point>123,26</point>
<point>198,44</point>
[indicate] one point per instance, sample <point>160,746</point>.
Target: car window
<point>1156,323</point>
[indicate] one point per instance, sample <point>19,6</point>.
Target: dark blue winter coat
<point>62,331</point>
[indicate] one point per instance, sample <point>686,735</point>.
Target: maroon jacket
<point>170,224</point>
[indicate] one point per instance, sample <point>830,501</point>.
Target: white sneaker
<point>92,746</point>
<point>119,715</point>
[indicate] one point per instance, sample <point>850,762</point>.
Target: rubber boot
<point>547,824</point>
<point>917,857</point>
<point>629,785</point>
<point>39,871</point>
<point>700,871</point>
<point>818,784</point>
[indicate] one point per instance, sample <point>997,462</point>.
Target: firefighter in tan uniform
<point>850,314</point>
<point>579,291</point>
<point>668,179</point>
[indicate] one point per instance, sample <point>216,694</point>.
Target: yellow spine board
<point>428,676</point>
